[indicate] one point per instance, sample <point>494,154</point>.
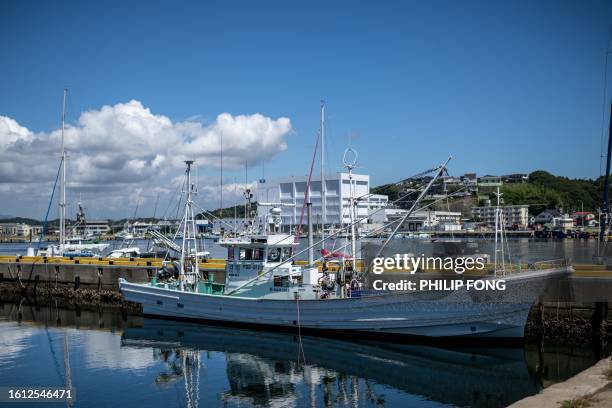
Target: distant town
<point>536,204</point>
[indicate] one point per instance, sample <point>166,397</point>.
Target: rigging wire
<point>604,103</point>
<point>307,192</point>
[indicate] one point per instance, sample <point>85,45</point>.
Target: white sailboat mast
<point>323,186</point>
<point>62,203</point>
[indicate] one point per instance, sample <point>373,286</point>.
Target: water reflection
<point>168,363</point>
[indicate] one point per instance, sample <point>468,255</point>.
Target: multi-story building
<point>93,227</point>
<point>291,191</point>
<point>18,229</point>
<point>432,221</point>
<point>488,184</point>
<point>15,229</point>
<point>513,215</point>
<point>470,180</point>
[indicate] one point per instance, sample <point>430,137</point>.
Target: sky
<point>503,87</point>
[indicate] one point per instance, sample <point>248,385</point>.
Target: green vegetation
<point>542,191</point>
<point>580,402</point>
<point>545,190</point>
<point>229,211</point>
<point>537,197</point>
<point>391,190</point>
<point>20,220</point>
<point>608,373</point>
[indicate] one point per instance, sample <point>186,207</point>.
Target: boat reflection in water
<point>267,369</point>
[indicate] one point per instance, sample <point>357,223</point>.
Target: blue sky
<point>502,86</point>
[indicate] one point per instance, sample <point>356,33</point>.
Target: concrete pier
<point>591,385</point>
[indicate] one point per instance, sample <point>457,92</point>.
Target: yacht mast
<point>62,203</point>
<point>323,186</point>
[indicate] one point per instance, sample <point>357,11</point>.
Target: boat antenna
<point>62,203</point>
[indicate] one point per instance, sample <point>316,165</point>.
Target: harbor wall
<point>100,276</point>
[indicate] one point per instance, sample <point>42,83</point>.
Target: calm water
<point>130,361</point>
<point>519,249</point>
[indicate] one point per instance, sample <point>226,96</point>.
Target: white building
<point>292,191</point>
<point>432,221</point>
<point>513,215</point>
<point>546,216</point>
<point>15,229</point>
<point>93,227</point>
<point>563,223</point>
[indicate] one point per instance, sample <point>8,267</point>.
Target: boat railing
<point>513,268</point>
<point>553,263</point>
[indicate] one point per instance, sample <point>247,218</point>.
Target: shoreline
<point>589,388</point>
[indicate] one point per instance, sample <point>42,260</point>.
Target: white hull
<point>433,314</point>
<point>85,247</point>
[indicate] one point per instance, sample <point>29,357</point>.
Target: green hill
<point>542,191</point>
<point>545,190</point>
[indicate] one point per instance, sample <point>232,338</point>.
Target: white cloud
<point>11,131</point>
<point>104,350</point>
<point>118,150</point>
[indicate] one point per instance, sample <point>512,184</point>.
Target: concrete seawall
<point>90,273</point>
<point>585,387</point>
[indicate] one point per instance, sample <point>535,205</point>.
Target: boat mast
<point>603,218</point>
<point>221,179</point>
<point>323,186</point>
<point>350,159</point>
<point>189,249</point>
<point>62,203</point>
<point>499,235</point>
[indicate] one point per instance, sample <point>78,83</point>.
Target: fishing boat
<point>263,287</point>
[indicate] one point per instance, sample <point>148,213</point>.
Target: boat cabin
<point>250,256</point>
